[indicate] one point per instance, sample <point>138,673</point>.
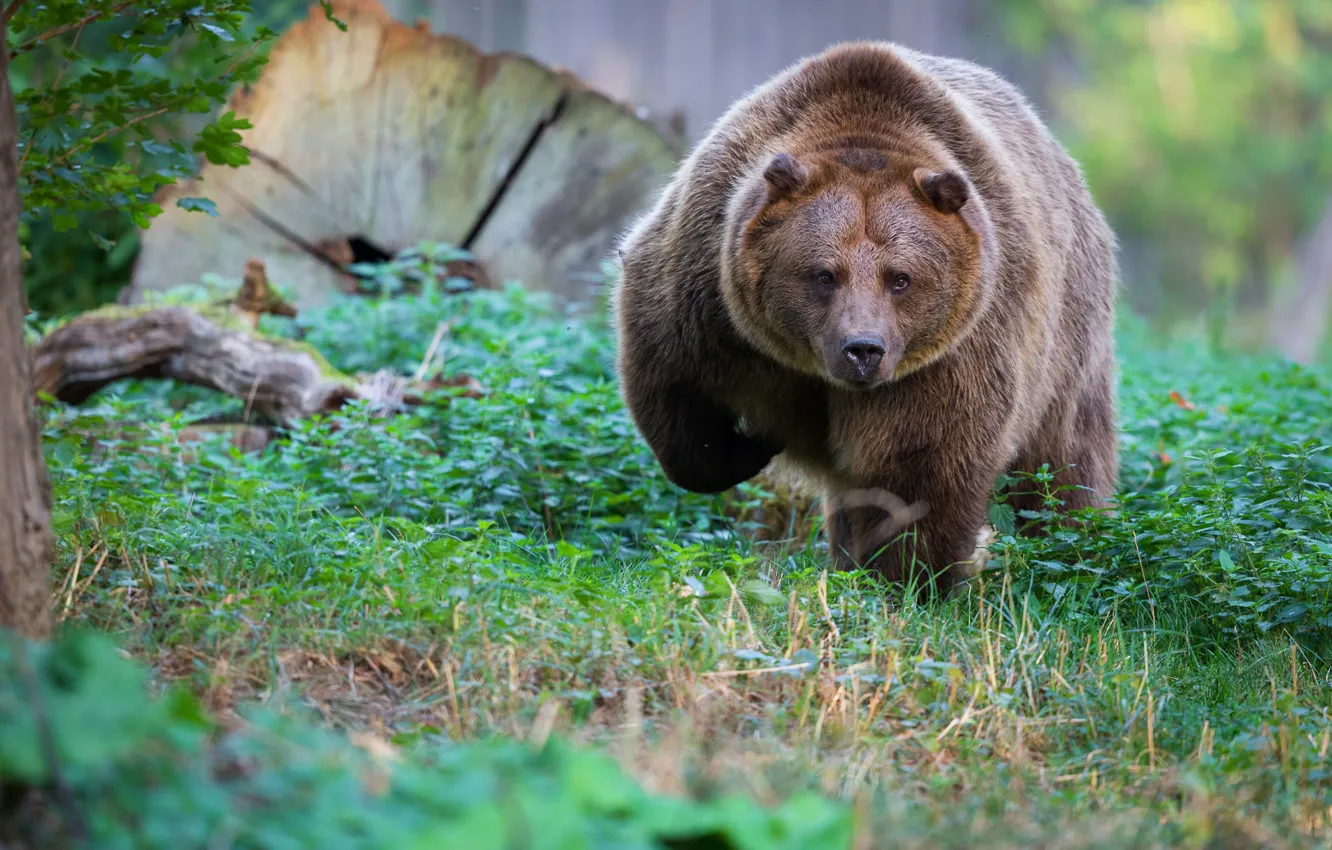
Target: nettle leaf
<point>1002,517</point>
<point>198,205</point>
<point>217,31</point>
<point>759,592</point>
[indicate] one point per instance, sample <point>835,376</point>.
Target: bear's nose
<point>864,353</point>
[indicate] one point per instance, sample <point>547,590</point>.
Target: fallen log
<point>215,345</point>
<point>278,379</point>
<point>368,142</point>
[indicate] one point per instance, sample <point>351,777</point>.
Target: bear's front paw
<point>721,461</point>
<point>750,454</point>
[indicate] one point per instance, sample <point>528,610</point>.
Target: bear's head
<point>855,264</point>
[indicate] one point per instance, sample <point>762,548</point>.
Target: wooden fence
<point>685,61</point>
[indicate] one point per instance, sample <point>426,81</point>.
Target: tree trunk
<point>1298,327</point>
<point>25,490</point>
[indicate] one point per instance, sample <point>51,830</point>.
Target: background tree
<point>1205,131</point>
<point>82,134</point>
<point>116,99</point>
<point>25,492</point>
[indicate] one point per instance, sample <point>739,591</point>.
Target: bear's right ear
<point>784,176</point>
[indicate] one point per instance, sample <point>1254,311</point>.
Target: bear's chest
<point>936,422</point>
<point>867,433</point>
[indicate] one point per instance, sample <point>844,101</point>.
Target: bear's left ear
<point>946,190</point>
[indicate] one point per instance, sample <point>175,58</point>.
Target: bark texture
<point>25,489</point>
<point>277,380</point>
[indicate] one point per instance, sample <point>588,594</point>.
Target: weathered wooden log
<point>279,379</point>
<point>214,345</point>
<point>368,142</point>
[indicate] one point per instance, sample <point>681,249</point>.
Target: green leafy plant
<point>115,100</point>
<point>494,566</point>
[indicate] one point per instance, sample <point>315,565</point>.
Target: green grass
<point>467,581</point>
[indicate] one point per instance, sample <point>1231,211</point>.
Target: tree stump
<point>370,141</point>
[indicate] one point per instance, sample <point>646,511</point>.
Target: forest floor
<point>514,569</point>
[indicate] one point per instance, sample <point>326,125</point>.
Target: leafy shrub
<point>1225,497</point>
<point>114,101</point>
<point>547,452</point>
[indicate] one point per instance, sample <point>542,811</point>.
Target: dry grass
<point>837,690</point>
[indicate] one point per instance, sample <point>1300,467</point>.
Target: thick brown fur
<point>908,215</point>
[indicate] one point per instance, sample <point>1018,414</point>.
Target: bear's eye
<point>825,278</point>
<point>899,282</point>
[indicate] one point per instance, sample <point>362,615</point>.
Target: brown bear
<point>881,266</point>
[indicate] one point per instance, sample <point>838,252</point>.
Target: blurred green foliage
<point>1204,128</point>
<point>170,778</point>
<point>114,100</point>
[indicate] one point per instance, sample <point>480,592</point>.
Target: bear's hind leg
<point>1080,444</point>
<point>839,528</point>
